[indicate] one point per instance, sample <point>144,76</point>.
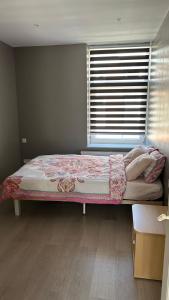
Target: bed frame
<point>17,205</point>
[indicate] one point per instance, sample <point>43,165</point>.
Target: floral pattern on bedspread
<point>117,177</point>
<point>11,186</point>
<point>69,170</point>
<point>67,174</point>
<point>67,185</point>
<point>73,166</point>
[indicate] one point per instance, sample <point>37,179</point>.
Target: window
<point>117,94</point>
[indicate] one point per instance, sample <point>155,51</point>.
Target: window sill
<point>111,146</point>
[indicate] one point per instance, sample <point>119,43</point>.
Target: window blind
<point>118,91</point>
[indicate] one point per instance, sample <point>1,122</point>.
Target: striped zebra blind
<point>118,88</point>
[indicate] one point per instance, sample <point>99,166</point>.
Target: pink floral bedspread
<point>78,178</point>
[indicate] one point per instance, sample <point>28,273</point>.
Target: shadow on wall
<point>9,133</point>
<point>158,129</point>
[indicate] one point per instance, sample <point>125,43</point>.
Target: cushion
<point>135,152</point>
<point>155,168</point>
<point>138,166</point>
<point>151,149</point>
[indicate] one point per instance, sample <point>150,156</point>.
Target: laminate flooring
<point>53,252</point>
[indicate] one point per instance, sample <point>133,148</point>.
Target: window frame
<point>115,144</point>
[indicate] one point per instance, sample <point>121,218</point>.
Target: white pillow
<point>131,155</point>
<point>138,166</point>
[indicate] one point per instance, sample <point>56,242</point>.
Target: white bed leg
<point>84,208</point>
<point>17,208</point>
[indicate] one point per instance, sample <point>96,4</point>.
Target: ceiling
<point>52,22</point>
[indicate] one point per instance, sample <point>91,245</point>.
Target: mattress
<point>135,190</point>
<point>38,177</point>
<point>140,190</point>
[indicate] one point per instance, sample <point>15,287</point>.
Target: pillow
<point>155,168</point>
<point>151,149</point>
<point>138,166</point>
<point>135,152</point>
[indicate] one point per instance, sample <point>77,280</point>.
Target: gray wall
<point>159,94</point>
<point>52,95</point>
<point>9,134</point>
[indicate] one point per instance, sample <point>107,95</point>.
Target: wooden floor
<point>53,252</point>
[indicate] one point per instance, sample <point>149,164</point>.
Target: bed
<point>78,178</point>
